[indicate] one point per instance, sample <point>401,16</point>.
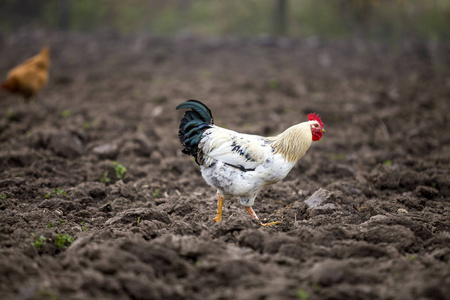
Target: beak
<point>323,130</point>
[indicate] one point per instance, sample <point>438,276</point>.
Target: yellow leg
<point>253,214</point>
<point>218,217</point>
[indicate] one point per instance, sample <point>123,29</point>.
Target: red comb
<point>314,117</point>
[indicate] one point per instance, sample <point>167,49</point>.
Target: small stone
<point>317,198</point>
<point>329,206</point>
<point>66,145</point>
<point>157,111</point>
<point>106,150</point>
<point>402,211</point>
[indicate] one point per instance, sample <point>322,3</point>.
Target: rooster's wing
<point>243,151</point>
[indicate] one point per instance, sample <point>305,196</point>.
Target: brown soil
<point>383,233</point>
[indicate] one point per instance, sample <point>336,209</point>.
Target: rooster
<point>239,165</point>
<point>28,78</point>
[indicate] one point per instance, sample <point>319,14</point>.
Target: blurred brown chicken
<point>28,78</point>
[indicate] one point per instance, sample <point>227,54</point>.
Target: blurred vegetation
<point>380,19</point>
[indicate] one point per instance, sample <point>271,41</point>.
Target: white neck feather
<point>294,141</point>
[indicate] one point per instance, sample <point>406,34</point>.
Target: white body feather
<point>241,164</point>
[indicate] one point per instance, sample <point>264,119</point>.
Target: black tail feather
<point>199,108</point>
<point>193,124</point>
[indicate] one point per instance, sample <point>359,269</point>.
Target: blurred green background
<point>372,19</point>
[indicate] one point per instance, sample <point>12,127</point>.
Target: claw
<point>253,214</point>
<point>271,223</point>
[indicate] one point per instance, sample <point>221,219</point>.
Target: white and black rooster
<point>237,164</point>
